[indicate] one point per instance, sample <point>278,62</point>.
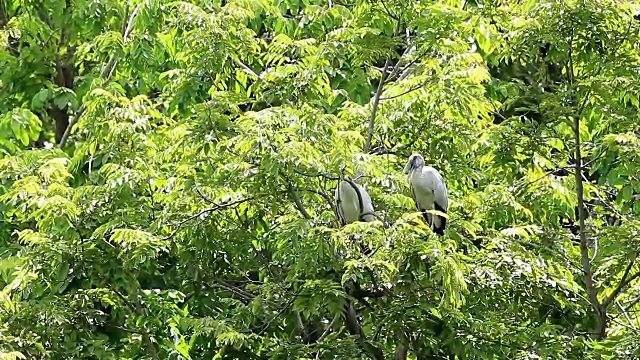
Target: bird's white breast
<point>428,187</point>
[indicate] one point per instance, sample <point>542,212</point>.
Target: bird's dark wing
<point>339,209</point>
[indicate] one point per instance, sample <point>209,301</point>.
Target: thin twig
<point>246,68</point>
<point>301,327</point>
<point>386,9</point>
<point>328,329</point>
<point>326,176</point>
<point>423,84</point>
<point>602,200</point>
<point>282,310</point>
<point>633,303</point>
<point>179,224</point>
<point>107,70</point>
<point>624,282</point>
<point>550,172</point>
<point>626,315</point>
<point>123,298</point>
<point>401,69</point>
<point>125,329</point>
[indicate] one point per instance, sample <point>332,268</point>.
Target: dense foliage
<point>167,173</point>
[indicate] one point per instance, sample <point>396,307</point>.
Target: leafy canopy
<point>167,173</point>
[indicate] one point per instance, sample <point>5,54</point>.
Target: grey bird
<point>353,203</point>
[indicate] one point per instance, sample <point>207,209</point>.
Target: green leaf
<point>40,99</point>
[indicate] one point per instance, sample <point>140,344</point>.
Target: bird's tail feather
<point>425,215</point>
<point>440,222</point>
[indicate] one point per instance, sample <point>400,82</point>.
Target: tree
<point>166,173</point>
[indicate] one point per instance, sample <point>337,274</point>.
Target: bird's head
<point>416,161</point>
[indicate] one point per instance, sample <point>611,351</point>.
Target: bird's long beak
<point>407,167</point>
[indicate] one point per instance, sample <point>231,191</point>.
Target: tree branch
<point>402,348</point>
<point>326,176</point>
<point>296,199</point>
<point>246,68</point>
<point>351,318</point>
<point>584,247</point>
<point>107,73</point>
<point>406,92</point>
<point>4,17</point>
<point>633,303</point>
<point>376,101</point>
<point>386,9</point>
<point>137,308</point>
<point>179,225</point>
<point>397,70</point>
<point>125,329</point>
<point>300,324</point>
<point>327,198</point>
<point>624,282</point>
<point>145,336</point>
<point>626,315</point>
<point>280,312</point>
<point>328,329</point>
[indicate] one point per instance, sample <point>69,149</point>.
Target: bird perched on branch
<point>353,203</point>
<point>428,191</point>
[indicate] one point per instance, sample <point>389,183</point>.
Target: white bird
<point>428,191</point>
<point>353,203</point>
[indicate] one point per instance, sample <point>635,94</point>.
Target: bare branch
<point>584,246</point>
<point>550,172</point>
<point>327,198</point>
<point>179,225</point>
<point>107,73</point>
<point>399,69</point>
<point>624,282</point>
<point>280,312</point>
<point>123,298</point>
<point>633,303</point>
<point>233,289</point>
<point>300,325</point>
<point>592,292</point>
<point>326,176</point>
<point>296,199</point>
<point>386,9</point>
<point>246,68</point>
<point>328,329</point>
<point>376,101</point>
<point>423,84</point>
<point>626,315</point>
<point>4,18</point>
